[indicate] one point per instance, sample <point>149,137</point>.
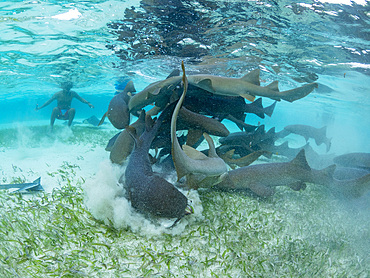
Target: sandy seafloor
<point>81,226</point>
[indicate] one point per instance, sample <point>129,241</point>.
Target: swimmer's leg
<point>71,115</point>
<point>54,115</point>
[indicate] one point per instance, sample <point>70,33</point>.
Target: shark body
<point>318,134</point>
<point>188,160</point>
<point>147,191</point>
<point>24,187</point>
<point>261,178</point>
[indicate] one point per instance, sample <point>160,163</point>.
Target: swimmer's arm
<point>82,99</point>
<point>54,97</point>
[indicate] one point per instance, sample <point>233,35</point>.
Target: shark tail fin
<point>257,106</point>
<point>298,93</point>
<point>300,160</point>
<point>252,77</point>
<point>270,109</point>
<point>103,119</point>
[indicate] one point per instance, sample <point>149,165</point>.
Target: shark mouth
<point>189,210</point>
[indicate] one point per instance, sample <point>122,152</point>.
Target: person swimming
<point>63,111</point>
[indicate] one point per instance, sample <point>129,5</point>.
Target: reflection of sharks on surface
<point>24,187</point>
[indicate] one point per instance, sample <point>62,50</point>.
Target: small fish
<point>24,187</point>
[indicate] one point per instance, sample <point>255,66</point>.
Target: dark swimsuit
<point>63,114</point>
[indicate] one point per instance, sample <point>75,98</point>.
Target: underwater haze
<point>83,226</point>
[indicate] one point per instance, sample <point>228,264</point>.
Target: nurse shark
<point>261,178</point>
<point>147,191</point>
<point>189,161</point>
<point>247,87</point>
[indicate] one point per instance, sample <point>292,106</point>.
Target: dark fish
<point>124,143</point>
<point>147,191</point>
<point>118,112</point>
<point>318,134</point>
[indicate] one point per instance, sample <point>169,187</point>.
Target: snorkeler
<point>63,111</point>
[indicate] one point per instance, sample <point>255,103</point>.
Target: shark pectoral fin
<point>206,84</point>
<point>261,190</point>
<point>297,186</point>
<point>252,77</point>
<point>193,153</point>
<point>247,96</point>
<point>156,92</point>
<point>103,119</point>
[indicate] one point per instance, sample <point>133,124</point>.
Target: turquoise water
<point>95,44</point>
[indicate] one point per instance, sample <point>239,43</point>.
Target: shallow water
<point>83,226</point>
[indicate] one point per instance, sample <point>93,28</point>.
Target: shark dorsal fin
<point>274,86</point>
<point>300,160</point>
<point>193,153</point>
<point>206,84</point>
<point>129,87</point>
<point>211,144</point>
<point>252,77</point>
<point>260,130</point>
<point>175,72</point>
